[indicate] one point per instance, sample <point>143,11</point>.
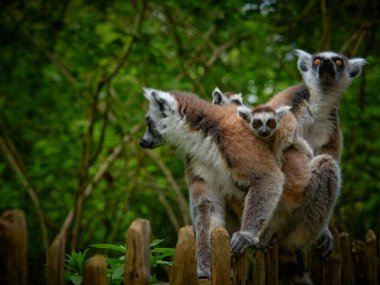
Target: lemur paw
<point>325,243</point>
<point>241,240</point>
<point>203,274</point>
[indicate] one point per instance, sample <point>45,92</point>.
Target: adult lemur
<point>326,77</point>
<point>228,160</point>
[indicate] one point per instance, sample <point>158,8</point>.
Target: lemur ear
<point>161,100</point>
<point>237,99</point>
<point>281,111</point>
<point>217,96</point>
<point>355,66</point>
<point>304,59</point>
<point>245,113</point>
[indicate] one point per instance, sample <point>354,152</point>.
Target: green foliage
<point>75,262</point>
<point>74,266</point>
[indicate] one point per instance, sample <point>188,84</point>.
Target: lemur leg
<point>302,145</point>
<point>207,213</point>
<point>311,219</point>
<point>259,205</point>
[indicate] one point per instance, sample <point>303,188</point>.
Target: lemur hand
<point>241,240</point>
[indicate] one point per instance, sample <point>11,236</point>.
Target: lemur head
<point>328,69</point>
<point>263,120</point>
<point>161,105</point>
<point>219,98</point>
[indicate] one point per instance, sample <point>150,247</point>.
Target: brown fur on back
<point>240,148</point>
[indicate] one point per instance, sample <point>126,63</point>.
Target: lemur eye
<point>338,62</point>
<point>317,61</point>
<point>257,124</point>
<point>271,123</point>
<point>236,102</point>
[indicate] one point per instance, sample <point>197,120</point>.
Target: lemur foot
<point>203,274</point>
<point>325,243</point>
<point>241,240</point>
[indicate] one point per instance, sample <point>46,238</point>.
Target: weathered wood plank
<point>95,271</point>
<point>372,257</point>
<point>137,260</point>
<point>221,257</point>
<point>347,270</point>
<point>271,265</point>
<point>240,270</point>
<point>360,262</point>
<point>184,269</point>
<point>258,274</point>
<point>13,248</point>
<point>56,261</point>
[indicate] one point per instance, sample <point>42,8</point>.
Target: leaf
<point>118,272</point>
<point>119,248</point>
<point>77,280</point>
<point>156,242</point>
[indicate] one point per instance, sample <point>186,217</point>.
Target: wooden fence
<point>357,263</point>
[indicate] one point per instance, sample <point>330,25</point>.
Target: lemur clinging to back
<point>265,122</point>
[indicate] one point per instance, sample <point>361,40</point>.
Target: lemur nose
<point>326,60</point>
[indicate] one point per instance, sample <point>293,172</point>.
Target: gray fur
<point>326,83</point>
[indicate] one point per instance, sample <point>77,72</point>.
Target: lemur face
<point>152,138</point>
<point>263,120</point>
<point>328,68</point>
<point>221,99</point>
<point>264,124</point>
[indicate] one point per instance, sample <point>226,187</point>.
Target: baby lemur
<point>265,123</point>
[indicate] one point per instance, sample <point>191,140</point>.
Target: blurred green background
<point>72,107</point>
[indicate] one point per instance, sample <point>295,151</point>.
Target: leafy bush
<point>76,261</point>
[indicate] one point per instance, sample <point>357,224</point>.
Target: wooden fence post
<point>240,270</point>
<point>13,248</point>
<point>95,271</point>
<point>332,265</point>
<point>56,261</point>
<point>184,269</point>
<point>258,274</point>
<point>137,260</point>
<point>360,262</point>
<point>271,265</point>
<point>221,257</point>
<point>347,272</point>
<point>372,257</point>
<point>316,269</point>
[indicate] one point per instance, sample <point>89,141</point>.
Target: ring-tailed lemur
<point>230,162</point>
<point>326,76</point>
<point>265,122</point>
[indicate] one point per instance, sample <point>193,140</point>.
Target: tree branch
<point>17,166</point>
